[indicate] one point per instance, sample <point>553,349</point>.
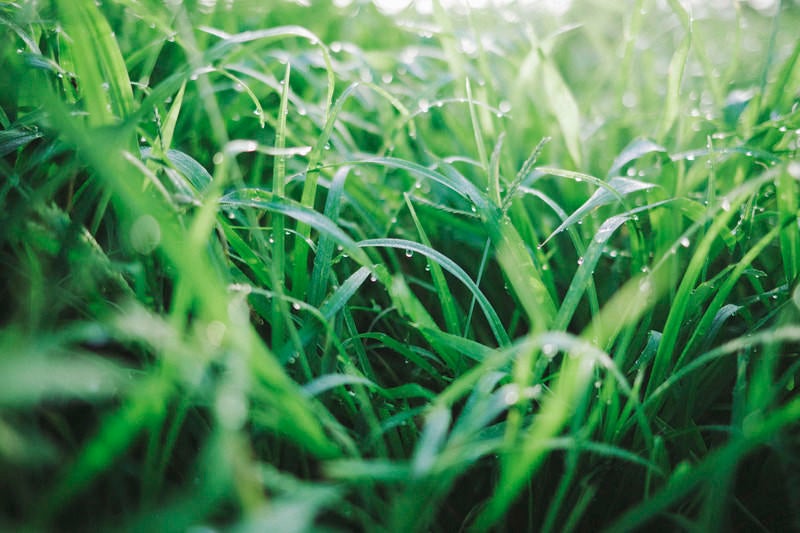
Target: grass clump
<point>297,268</point>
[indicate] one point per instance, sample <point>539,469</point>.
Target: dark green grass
<point>290,268</point>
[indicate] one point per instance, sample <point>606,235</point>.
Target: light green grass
<point>299,269</point>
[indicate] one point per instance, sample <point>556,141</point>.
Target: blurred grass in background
<point>292,268</point>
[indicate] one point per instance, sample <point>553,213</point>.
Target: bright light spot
<point>763,5</point>
<point>511,395</point>
<point>231,408</point>
<point>215,332</point>
<point>794,170</point>
<point>394,7</point>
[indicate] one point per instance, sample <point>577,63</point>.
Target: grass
<point>298,269</point>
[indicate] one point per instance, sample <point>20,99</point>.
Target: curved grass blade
<point>728,205</point>
<point>442,290</point>
<point>491,316</point>
<point>615,190</point>
<point>104,81</point>
<point>321,271</point>
<point>261,199</point>
<point>583,276</point>
<point>636,149</point>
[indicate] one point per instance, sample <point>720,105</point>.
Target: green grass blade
<point>448,264</point>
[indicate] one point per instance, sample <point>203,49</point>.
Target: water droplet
<point>215,333</point>
<point>296,306</point>
<point>685,242</point>
<point>409,253</point>
<point>145,234</point>
<point>645,286</point>
<point>218,158</point>
<point>387,78</point>
<point>629,99</point>
<point>336,47</point>
<point>690,157</point>
<point>549,350</point>
<point>794,170</point>
<point>580,260</point>
<point>504,107</point>
<point>726,204</point>
<point>511,395</point>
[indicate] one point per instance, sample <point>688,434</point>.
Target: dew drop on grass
<point>336,47</point>
<point>231,408</point>
<point>685,242</point>
<point>296,306</point>
<point>424,105</point>
<point>215,333</point>
<point>387,78</point>
<point>629,99</point>
<point>645,287</point>
<point>549,350</point>
<point>511,395</point>
<point>726,204</point>
<point>409,253</point>
<point>145,234</point>
<point>580,261</point>
<point>794,170</point>
<point>218,158</point>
